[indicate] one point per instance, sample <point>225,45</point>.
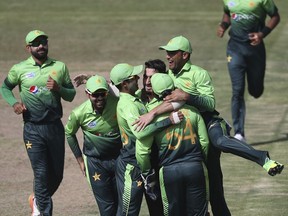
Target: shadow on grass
<point>282,139</point>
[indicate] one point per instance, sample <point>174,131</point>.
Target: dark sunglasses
<point>99,94</point>
<point>37,43</point>
<point>165,93</point>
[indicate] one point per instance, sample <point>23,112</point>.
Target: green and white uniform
<point>101,147</point>
<point>44,136</point>
<point>129,181</point>
<point>247,16</point>
<point>181,152</point>
<point>243,59</point>
<point>197,82</point>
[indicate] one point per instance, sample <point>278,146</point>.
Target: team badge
<point>53,73</point>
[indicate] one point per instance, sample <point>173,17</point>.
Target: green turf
<point>94,35</point>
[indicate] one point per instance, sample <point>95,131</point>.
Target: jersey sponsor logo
<point>91,124</point>
<point>239,17</point>
<point>35,89</point>
<point>30,75</point>
<point>231,4</point>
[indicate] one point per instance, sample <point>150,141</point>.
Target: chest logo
<point>30,75</point>
<point>231,4</point>
<point>91,124</point>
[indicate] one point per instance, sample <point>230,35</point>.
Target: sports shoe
<point>33,206</point>
<point>240,137</point>
<point>273,167</point>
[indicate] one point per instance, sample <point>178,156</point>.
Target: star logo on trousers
<point>139,183</point>
<point>96,177</point>
<point>28,145</point>
<point>229,58</point>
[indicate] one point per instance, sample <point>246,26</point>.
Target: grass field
<point>92,36</point>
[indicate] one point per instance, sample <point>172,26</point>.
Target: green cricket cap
<point>95,83</point>
<point>161,82</point>
<point>124,71</point>
<point>32,35</point>
<point>178,43</point>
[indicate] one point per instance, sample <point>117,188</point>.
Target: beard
<point>40,54</point>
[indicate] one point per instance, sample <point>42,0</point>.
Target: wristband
<point>176,119</point>
<point>177,104</point>
<point>225,25</point>
<point>265,31</point>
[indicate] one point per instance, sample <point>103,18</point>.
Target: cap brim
<point>137,70</point>
<point>168,48</point>
<point>92,90</point>
<point>41,35</point>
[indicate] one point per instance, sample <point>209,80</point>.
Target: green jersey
<point>197,82</point>
<point>129,108</point>
<point>186,141</point>
<point>247,16</point>
<point>100,131</point>
<point>42,104</point>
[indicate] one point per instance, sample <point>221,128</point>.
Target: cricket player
<point>42,82</point>
<point>182,149</point>
<point>102,143</point>
<point>246,53</point>
<point>129,108</point>
<point>194,87</point>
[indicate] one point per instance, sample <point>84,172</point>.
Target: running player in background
<point>102,143</point>
<point>246,53</point>
<point>42,83</point>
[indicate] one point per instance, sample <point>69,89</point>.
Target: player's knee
<point>256,93</point>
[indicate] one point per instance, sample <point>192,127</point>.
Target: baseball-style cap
<point>95,83</point>
<point>178,43</point>
<point>161,82</point>
<point>123,71</point>
<point>32,35</point>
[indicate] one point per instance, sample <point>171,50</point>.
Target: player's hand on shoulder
<point>177,95</point>
<point>143,121</point>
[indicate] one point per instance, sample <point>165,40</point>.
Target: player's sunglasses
<point>37,43</point>
<point>99,94</point>
<point>165,93</point>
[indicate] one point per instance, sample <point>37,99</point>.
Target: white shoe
<point>240,137</point>
<point>33,205</point>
